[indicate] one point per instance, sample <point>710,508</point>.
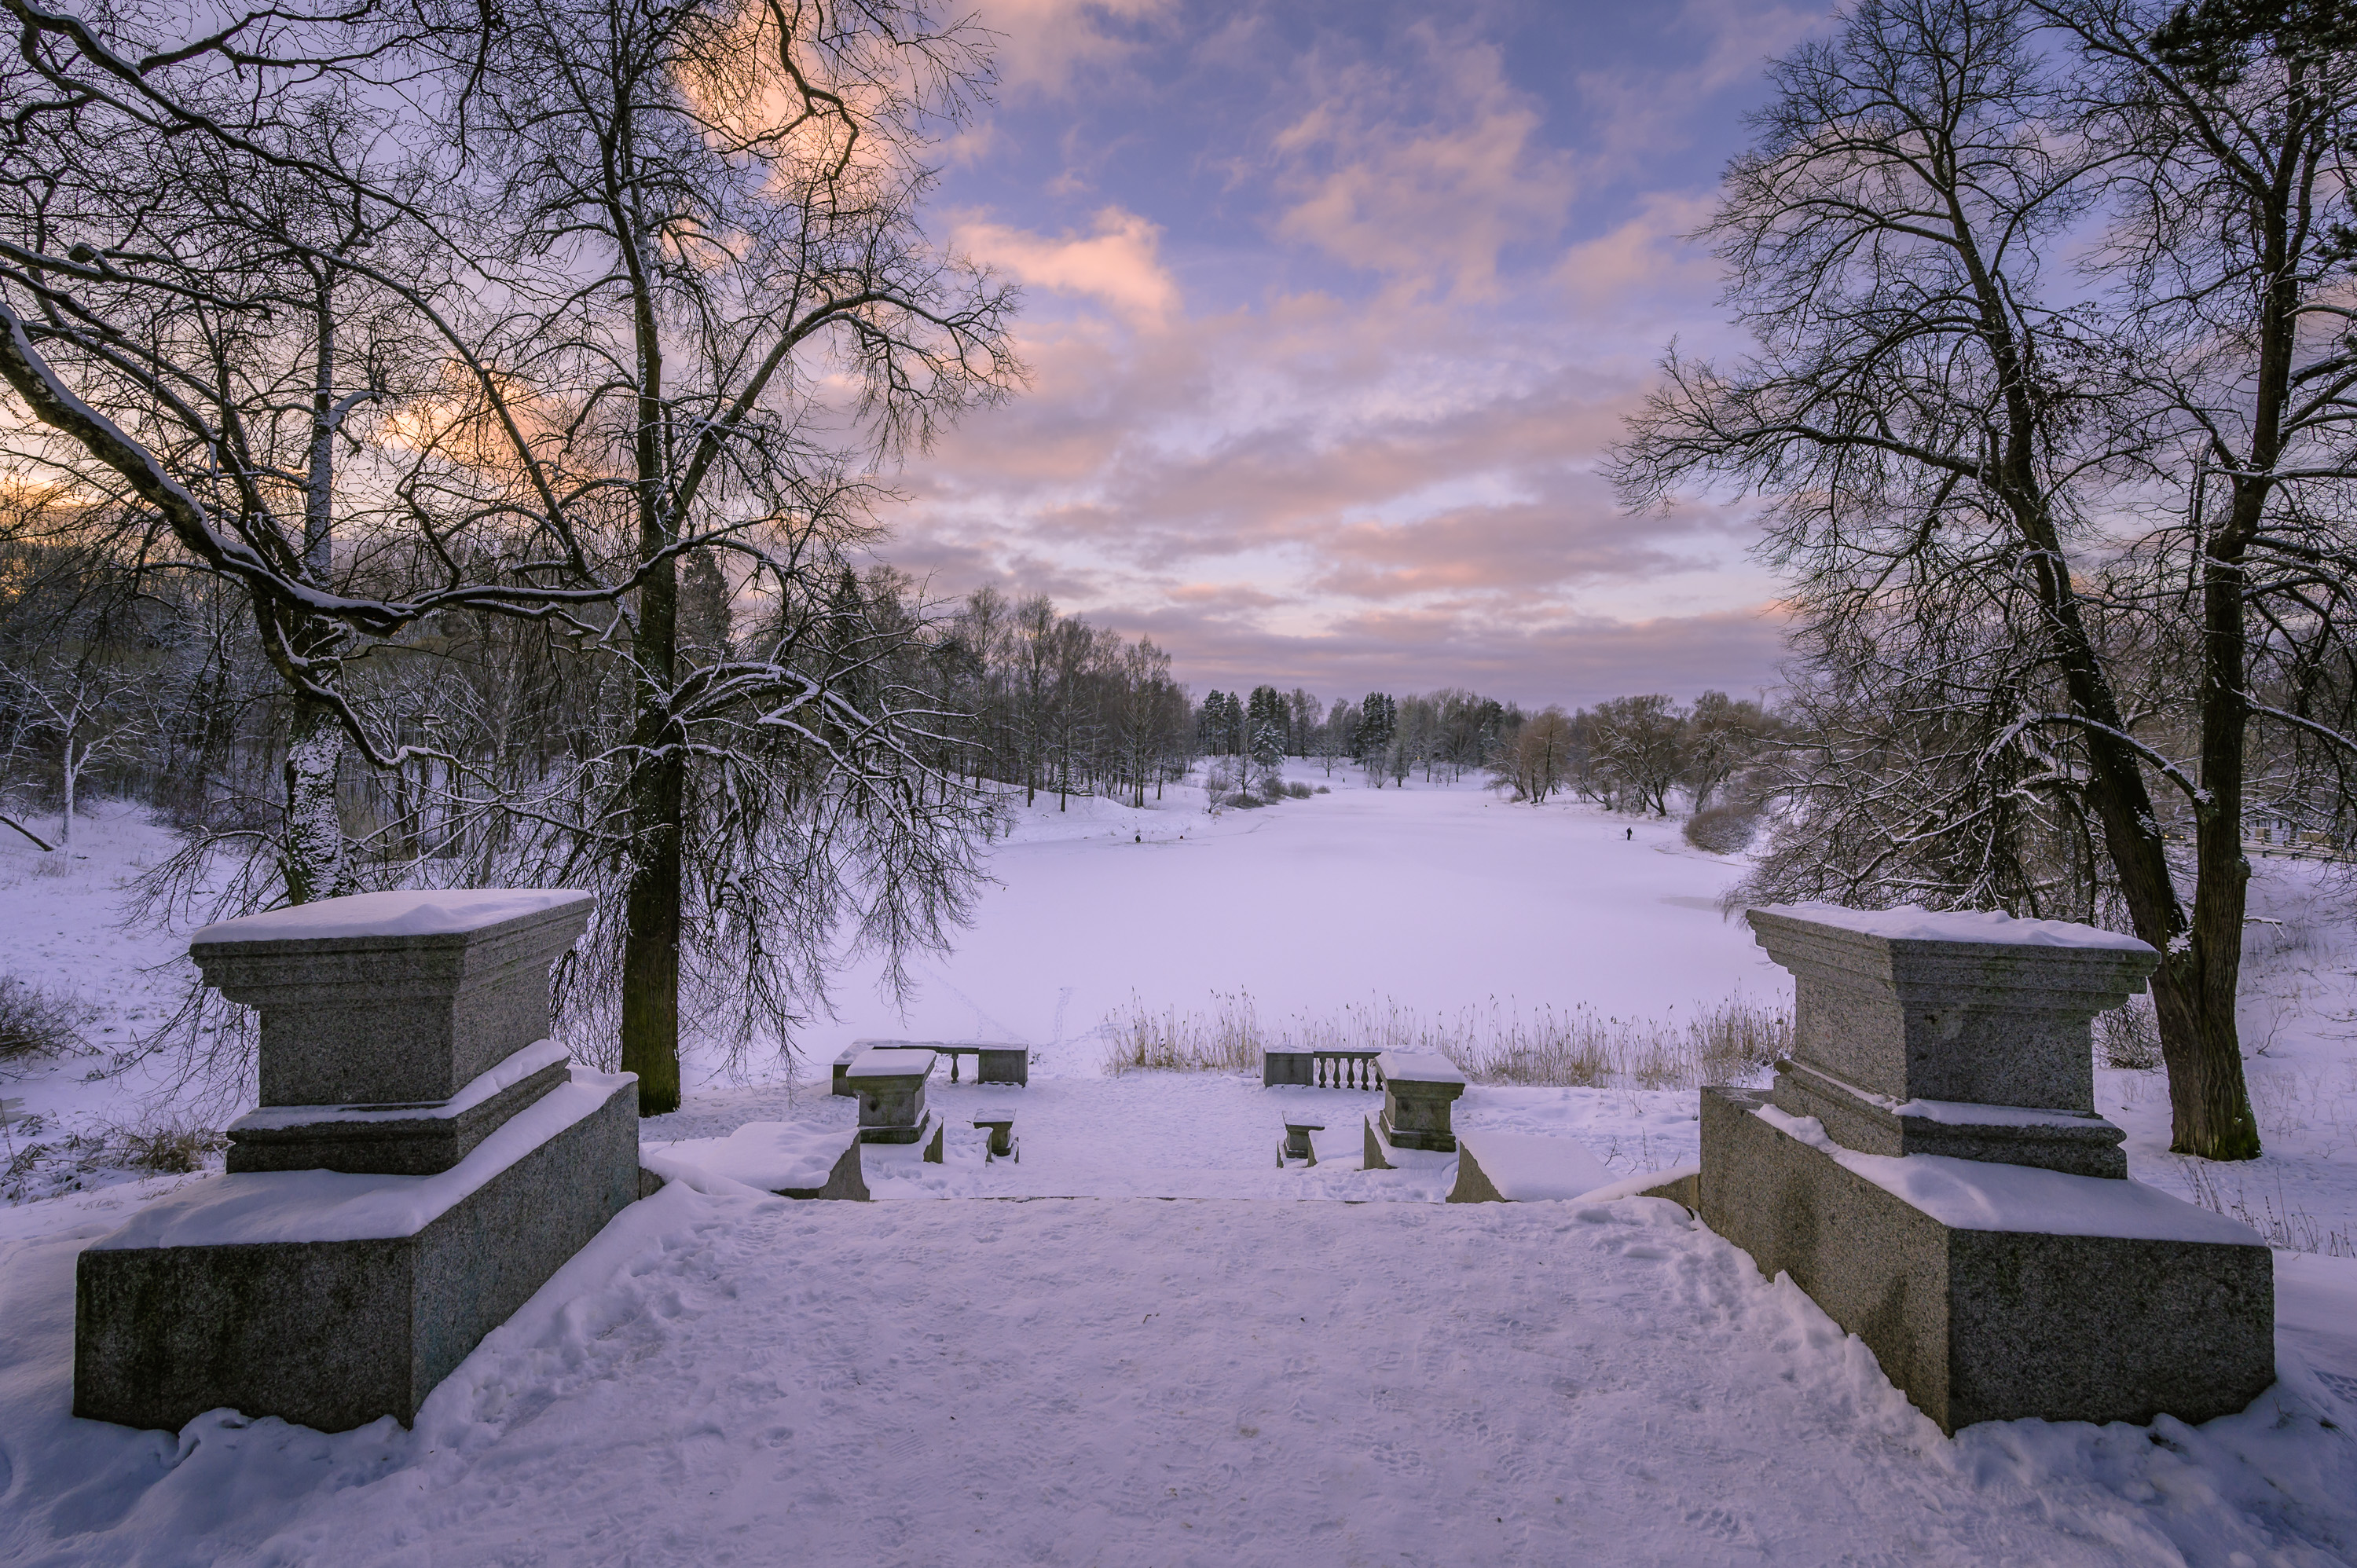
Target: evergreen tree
<point>1378,718</point>
<point>1267,747</point>
<point>1264,710</point>
<point>1213,727</point>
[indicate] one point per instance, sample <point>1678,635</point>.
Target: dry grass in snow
<point>1578,1047</point>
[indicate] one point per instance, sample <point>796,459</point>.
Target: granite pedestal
<point>368,1236</point>
<point>891,1084</point>
<point>1991,1251</point>
<point>1418,1089</point>
<point>1297,1145</point>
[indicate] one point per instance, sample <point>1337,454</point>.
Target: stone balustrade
<point>1321,1069</point>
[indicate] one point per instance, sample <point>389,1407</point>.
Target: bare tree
<point>92,708</point>
<point>626,252</point>
<point>200,235</point>
<point>1934,429</point>
<point>714,212</point>
<point>2229,260</point>
<point>1640,742</point>
<point>1723,734</point>
<point>1539,762</point>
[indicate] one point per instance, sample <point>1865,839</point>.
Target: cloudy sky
<point>1332,309</point>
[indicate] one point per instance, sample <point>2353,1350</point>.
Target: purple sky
<point>1332,309</point>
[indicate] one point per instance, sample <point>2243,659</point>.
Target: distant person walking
<point>1628,834</point>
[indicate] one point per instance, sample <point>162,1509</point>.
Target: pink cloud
<point>1117,263</point>
<point>1648,256</point>
<point>1044,45</point>
<point>1396,492</point>
<point>1376,182</point>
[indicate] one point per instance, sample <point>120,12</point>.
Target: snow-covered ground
<point>1097,1376</point>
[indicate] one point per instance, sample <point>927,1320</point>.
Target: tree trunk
<point>65,827</point>
<point>657,796</point>
<point>658,788</point>
<point>313,856</point>
<point>2210,1107</point>
<point>651,939</point>
<point>2209,1100</point>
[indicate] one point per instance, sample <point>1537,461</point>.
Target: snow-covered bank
<point>1059,1371</point>
<point>1435,897</point>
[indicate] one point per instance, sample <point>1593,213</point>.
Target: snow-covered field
<point>1099,1376</point>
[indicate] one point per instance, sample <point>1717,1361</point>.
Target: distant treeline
<point>151,685</point>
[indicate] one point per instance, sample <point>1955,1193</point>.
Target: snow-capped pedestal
<point>365,1239</point>
<point>392,998</point>
<point>1418,1089</point>
<point>891,1083</point>
<point>1964,1034</point>
<point>1931,1168</point>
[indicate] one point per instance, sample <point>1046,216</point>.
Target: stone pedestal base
<point>1383,1154</point>
<point>2079,1144</point>
<point>928,1130</point>
<point>354,1294</point>
<point>1980,1323</point>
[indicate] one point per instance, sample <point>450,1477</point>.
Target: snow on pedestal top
<point>1984,1195</point>
<point>1912,922</point>
<point>890,1062</point>
<point>1418,1067</point>
<point>445,913</point>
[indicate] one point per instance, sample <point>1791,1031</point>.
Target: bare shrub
<point>1723,829</point>
<point>170,1146</point>
<point>38,1021</point>
<point>1225,1040</point>
<point>52,865</point>
<point>2285,1227</point>
<point>1730,1041</point>
<point>1297,790</point>
<point>2267,941</point>
<point>2129,1037</point>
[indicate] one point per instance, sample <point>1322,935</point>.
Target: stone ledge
<point>1995,1325</point>
<point>382,1142</point>
<point>2079,1144</point>
<point>784,1157</point>
<point>1522,1167</point>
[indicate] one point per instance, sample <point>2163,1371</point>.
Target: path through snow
<point>738,1378</point>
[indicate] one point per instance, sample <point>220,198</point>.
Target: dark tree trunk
<point>658,786</point>
<point>658,799</point>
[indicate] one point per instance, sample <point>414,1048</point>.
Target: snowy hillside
<point>729,1376</point>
